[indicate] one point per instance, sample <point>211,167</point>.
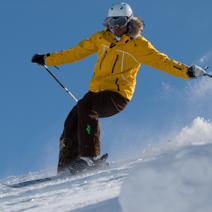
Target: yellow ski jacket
<point>117,61</point>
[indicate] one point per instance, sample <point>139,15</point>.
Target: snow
<point>175,174</point>
<point>178,181</point>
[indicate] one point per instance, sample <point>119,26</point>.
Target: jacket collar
<point>123,39</point>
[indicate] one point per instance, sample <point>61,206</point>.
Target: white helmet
<point>120,9</point>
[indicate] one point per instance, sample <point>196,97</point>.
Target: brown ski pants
<point>81,134</point>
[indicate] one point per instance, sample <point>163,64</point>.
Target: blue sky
<point>33,106</point>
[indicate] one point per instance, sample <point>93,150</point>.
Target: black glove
<point>39,59</point>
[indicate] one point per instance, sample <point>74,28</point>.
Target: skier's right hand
<point>39,59</point>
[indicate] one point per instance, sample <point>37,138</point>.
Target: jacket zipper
<point>103,59</point>
<point>117,57</point>
<point>117,84</point>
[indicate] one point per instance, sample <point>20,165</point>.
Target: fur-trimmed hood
<point>135,29</point>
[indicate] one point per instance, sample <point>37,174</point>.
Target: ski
<point>56,177</point>
<point>37,181</point>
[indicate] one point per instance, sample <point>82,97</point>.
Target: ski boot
<point>88,163</point>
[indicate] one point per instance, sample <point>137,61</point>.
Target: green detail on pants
<point>88,129</point>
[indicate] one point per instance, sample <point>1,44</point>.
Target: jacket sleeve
<point>83,49</point>
<point>149,56</point>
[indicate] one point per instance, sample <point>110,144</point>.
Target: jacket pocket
<point>102,59</point>
<point>117,57</point>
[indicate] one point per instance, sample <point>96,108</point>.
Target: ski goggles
<point>117,21</point>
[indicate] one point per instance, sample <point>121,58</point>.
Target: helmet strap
<point>128,26</point>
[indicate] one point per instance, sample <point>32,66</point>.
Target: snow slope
<point>179,181</point>
<point>66,194</point>
<point>175,174</point>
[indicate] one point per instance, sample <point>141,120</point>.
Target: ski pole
<point>45,66</point>
<point>208,75</point>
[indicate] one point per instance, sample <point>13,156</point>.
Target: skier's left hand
<point>195,71</point>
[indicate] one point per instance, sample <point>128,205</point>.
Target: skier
<point>120,50</point>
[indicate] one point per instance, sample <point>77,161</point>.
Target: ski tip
<point>11,186</point>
